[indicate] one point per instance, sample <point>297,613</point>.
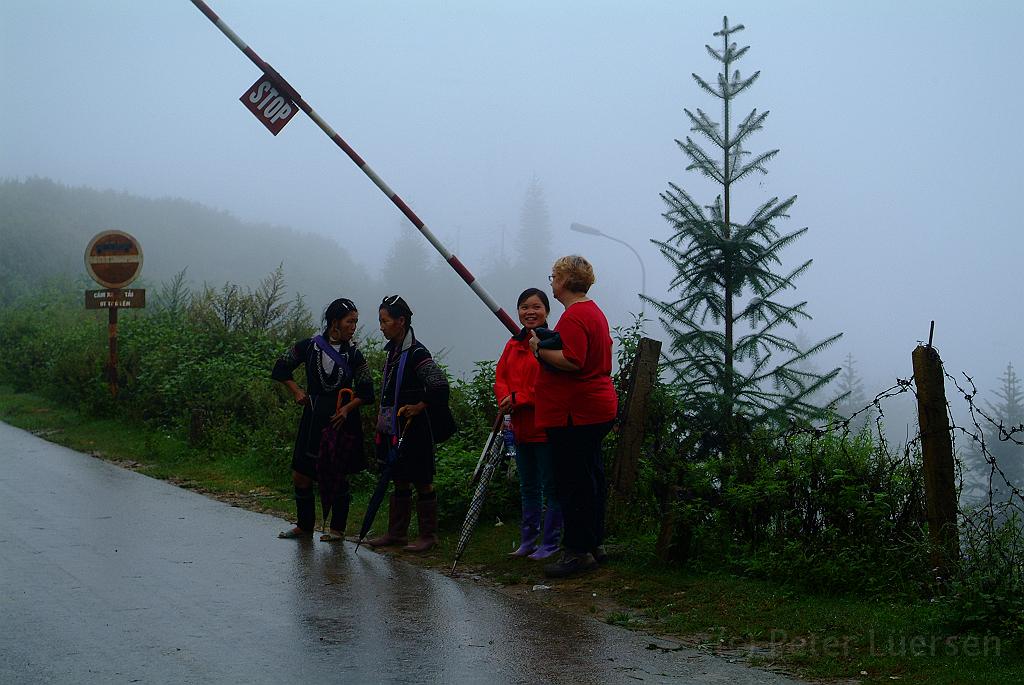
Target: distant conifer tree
<point>533,239</point>
<point>850,397</point>
<point>743,370</point>
<point>1009,410</point>
<point>1010,407</point>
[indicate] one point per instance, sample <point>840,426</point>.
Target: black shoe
<point>571,564</point>
<point>600,556</point>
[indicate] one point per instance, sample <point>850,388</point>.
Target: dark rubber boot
<point>571,564</point>
<point>426,515</point>
<point>552,535</point>
<point>528,533</point>
<point>399,514</point>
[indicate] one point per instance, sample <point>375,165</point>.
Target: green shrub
<point>986,591</point>
<point>198,364</point>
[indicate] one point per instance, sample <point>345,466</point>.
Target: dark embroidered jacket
<point>322,388</point>
<point>422,381</point>
<point>318,381</point>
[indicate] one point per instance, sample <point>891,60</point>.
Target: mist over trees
<point>45,227</point>
<point>850,397</point>
<point>1004,415</point>
<point>533,239</point>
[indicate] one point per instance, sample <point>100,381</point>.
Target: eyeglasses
<point>551,278</point>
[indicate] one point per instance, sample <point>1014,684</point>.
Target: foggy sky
<point>896,123</point>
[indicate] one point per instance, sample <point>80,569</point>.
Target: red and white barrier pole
<point>284,87</point>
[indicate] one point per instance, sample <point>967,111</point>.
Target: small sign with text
<point>122,299</point>
<point>269,105</point>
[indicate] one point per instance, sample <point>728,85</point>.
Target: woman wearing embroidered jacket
<point>514,380</point>
<point>413,406</point>
<point>576,403</point>
<point>332,364</point>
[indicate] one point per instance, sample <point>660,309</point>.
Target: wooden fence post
<point>196,426</point>
<point>937,452</point>
<point>642,376</point>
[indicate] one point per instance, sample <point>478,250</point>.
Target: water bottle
<point>509,437</point>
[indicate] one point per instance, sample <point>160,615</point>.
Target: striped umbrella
<point>487,446</point>
<point>494,452</point>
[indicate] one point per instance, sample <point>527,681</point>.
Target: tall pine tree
<point>743,370</point>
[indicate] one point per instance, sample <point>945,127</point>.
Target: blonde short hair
<point>577,272</point>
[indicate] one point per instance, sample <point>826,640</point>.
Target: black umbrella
<point>490,460</point>
<point>394,453</point>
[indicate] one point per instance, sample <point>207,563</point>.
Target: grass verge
<point>870,640</point>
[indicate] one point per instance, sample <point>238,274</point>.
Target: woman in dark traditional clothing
<point>332,364</point>
<point>414,406</point>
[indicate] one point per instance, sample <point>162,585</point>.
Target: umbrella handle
<point>405,426</point>
<point>401,434</point>
<point>487,445</point>
<point>342,393</point>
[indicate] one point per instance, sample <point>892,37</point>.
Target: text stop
<point>269,105</point>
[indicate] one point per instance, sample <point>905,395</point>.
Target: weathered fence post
<point>642,375</point>
<point>674,536</point>
<point>937,452</point>
<point>196,427</point>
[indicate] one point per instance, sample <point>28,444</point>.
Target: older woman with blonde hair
<point>576,403</point>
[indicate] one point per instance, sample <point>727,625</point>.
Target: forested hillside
<point>45,227</point>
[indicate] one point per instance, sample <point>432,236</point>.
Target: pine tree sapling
<point>727,348</point>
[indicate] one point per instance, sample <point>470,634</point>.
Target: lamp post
<point>590,230</point>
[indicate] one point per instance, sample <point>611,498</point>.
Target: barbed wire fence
<point>1002,499</point>
<point>982,514</point>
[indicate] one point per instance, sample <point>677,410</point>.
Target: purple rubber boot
<point>529,531</point>
<point>552,535</point>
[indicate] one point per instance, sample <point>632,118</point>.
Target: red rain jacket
<point>517,373</point>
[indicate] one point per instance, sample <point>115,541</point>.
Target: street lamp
<point>590,230</point>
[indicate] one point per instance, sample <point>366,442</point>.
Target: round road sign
<point>113,259</point>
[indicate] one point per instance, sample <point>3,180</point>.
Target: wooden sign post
<point>113,259</point>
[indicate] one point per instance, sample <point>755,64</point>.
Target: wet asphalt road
<point>108,576</point>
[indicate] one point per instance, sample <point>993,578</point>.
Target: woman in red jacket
<point>576,403</point>
<point>513,387</point>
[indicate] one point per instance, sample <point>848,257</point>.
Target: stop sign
<point>113,259</point>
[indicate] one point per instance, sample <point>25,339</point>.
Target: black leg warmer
<point>305,507</point>
<point>339,509</point>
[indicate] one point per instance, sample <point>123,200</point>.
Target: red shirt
<point>586,396</point>
<point>517,373</point>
